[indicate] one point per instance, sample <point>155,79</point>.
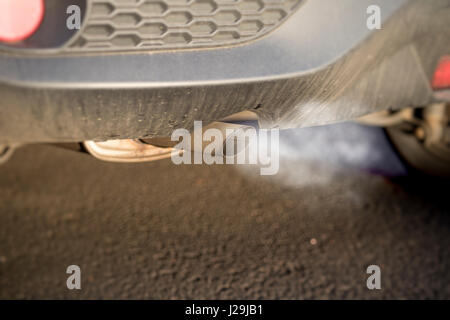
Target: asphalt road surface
<point>161,231</point>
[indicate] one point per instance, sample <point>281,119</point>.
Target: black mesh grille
<point>173,24</point>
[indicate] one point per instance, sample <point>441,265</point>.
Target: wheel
<point>421,136</point>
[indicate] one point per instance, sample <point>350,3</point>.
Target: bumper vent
<point>113,25</point>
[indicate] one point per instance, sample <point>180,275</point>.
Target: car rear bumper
<point>321,65</point>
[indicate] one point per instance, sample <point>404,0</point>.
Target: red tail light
<point>441,79</point>
<point>19,19</point>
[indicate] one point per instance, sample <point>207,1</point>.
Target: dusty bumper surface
<point>333,69</point>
